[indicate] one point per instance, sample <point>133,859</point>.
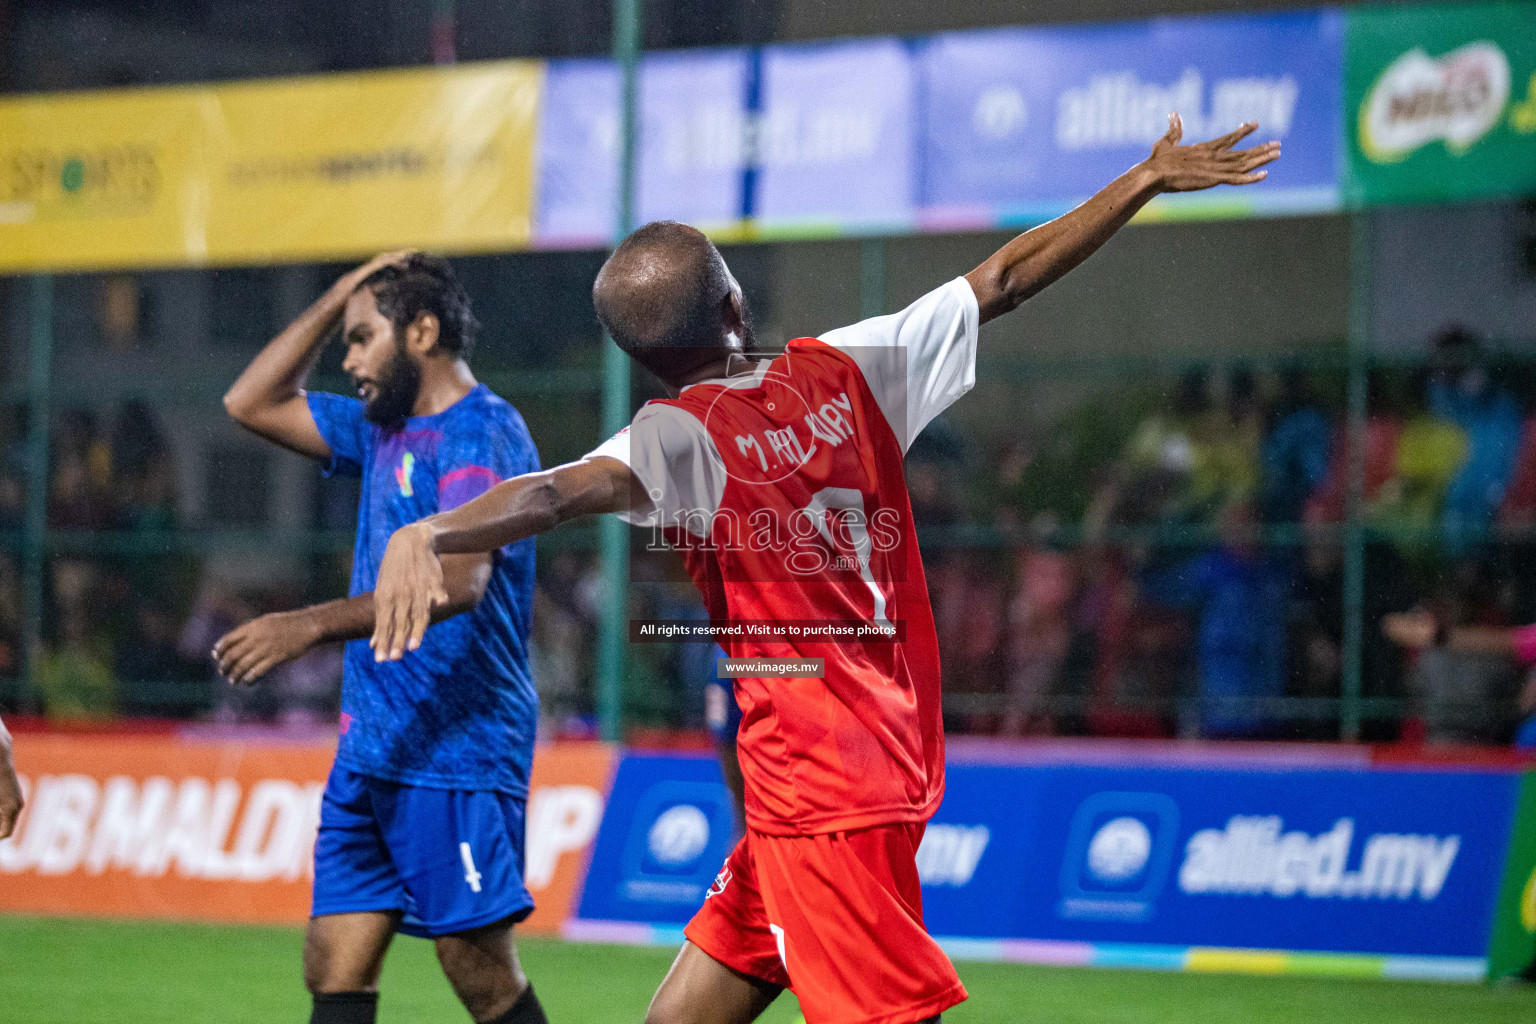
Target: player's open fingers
<point>383,607</point>
<point>260,668</point>
<point>1244,179</point>
<point>420,617</point>
<point>228,640</point>
<point>1232,138</point>
<point>229,656</point>
<point>399,620</point>
<point>239,666</point>
<point>1258,156</point>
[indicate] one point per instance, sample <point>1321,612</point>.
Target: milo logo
<point>1456,99</point>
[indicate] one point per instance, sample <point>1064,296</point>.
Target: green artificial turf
<point>89,972</point>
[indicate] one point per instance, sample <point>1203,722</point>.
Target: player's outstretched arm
<point>250,651</point>
<point>10,787</point>
<point>411,577</point>
<point>268,398</point>
<point>1038,257</point>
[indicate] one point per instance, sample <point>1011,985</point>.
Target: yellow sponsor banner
<point>326,167</point>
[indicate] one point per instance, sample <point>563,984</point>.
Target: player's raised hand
<point>10,788</point>
<point>248,652</point>
<point>410,585</point>
<point>1204,165</point>
<point>357,275</point>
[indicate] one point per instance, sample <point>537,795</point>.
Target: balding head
<point>668,300</point>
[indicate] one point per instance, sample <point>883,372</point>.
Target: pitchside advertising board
<point>1021,124</point>
<point>211,828</point>
<point>1391,873</point>
<point>1441,102</point>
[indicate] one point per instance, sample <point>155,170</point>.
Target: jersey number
<point>847,499</point>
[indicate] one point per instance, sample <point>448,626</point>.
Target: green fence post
<point>872,286</point>
<point>1359,341</point>
<point>612,638</point>
<point>35,525</point>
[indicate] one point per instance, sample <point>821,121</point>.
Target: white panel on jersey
<point>919,361</point>
<point>672,454</point>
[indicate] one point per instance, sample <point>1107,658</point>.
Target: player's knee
<point>326,973</point>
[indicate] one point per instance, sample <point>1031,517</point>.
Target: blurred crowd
<point>1176,559</point>
<point>1169,558</point>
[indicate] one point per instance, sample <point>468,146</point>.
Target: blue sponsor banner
<point>578,157</point>
<point>689,166</point>
<point>788,138</point>
<point>665,835</point>
<point>1131,865</point>
<point>1366,862</point>
<point>1021,124</point>
<point>835,138</point>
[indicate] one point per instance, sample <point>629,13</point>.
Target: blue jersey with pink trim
<point>460,712</point>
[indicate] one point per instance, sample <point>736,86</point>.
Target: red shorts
<point>837,919</point>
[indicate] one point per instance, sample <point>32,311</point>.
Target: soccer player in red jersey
<point>781,482</point>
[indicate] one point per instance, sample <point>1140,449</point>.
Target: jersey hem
<point>425,780</point>
<point>952,996</point>
<point>842,822</point>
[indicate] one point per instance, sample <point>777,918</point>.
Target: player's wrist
<point>1149,177</point>
<point>308,625</point>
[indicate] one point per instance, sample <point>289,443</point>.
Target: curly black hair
<point>426,284</point>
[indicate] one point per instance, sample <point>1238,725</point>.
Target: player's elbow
<point>240,406</point>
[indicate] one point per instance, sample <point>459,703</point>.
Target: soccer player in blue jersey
<point>421,828</point>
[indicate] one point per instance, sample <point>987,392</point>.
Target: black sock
<point>525,1011</point>
<point>345,1008</point>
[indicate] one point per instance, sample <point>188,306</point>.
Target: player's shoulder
<point>483,412</point>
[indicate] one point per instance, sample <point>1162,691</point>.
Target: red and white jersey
<point>785,492</point>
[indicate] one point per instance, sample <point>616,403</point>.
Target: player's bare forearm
<point>268,397</point>
<point>1032,261</point>
<point>411,577</point>
<point>10,787</point>
<point>252,650</point>
<point>533,503</point>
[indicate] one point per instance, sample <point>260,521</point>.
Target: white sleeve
<point>677,463</point>
<point>920,361</point>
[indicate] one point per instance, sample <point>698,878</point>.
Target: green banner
<point>1441,102</point>
<point>1513,950</point>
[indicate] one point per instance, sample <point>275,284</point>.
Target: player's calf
<point>483,968</point>
<point>343,955</point>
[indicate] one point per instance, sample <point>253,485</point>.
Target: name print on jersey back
<point>798,448</point>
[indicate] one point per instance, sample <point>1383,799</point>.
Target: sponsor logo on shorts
<point>722,880</point>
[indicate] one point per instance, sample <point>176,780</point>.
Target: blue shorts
<point>449,860</point>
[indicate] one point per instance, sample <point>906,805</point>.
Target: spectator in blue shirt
<point>1239,596</point>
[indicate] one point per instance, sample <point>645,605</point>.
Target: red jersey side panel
<point>815,525</point>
